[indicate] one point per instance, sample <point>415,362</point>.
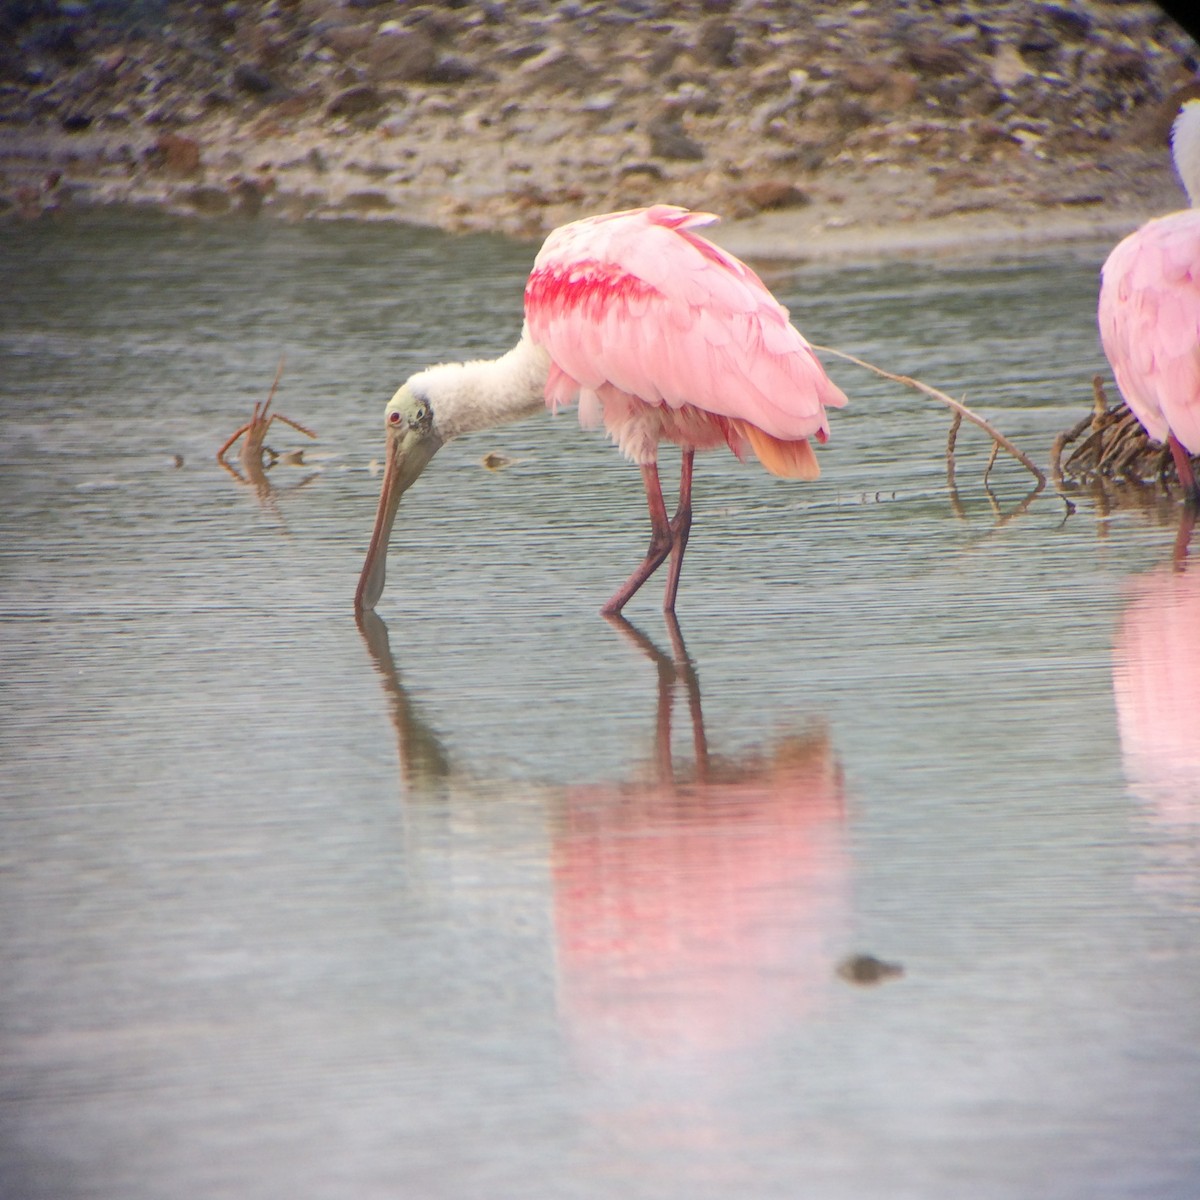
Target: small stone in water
<point>867,969</point>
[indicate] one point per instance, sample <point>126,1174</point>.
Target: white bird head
<point>1185,148</point>
<point>412,440</point>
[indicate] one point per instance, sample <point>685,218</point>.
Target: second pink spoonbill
<point>1150,313</point>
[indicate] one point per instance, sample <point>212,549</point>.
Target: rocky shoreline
<point>816,129</point>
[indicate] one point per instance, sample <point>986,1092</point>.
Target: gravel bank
<point>818,130</point>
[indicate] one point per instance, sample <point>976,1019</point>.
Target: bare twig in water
<point>960,409</point>
<point>253,452</point>
<point>1003,518</point>
<point>992,462</point>
<point>951,483</point>
<point>255,430</point>
<point>951,441</point>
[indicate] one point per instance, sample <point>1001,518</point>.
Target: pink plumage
<point>1149,314</point>
<point>1150,325</point>
<point>661,335</point>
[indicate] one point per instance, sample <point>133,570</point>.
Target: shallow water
<point>493,898</point>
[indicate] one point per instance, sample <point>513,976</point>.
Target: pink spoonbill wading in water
<point>660,336</point>
<point>1150,313</point>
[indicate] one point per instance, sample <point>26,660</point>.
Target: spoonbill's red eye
<point>394,418</point>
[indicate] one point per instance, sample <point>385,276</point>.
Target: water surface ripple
<point>490,897</point>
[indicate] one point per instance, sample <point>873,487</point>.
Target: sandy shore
<point>860,132</point>
<point>826,235</point>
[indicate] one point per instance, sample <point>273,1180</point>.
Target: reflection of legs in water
<point>671,670</point>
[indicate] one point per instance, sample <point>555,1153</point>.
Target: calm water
<point>494,899</point>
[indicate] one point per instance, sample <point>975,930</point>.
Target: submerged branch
<point>951,442</point>
<point>960,410</point>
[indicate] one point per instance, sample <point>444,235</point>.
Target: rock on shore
<point>517,116</point>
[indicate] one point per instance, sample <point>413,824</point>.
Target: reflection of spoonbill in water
<point>661,336</point>
<point>698,907</point>
<point>698,910</point>
<point>1156,684</point>
<point>423,759</point>
<point>1150,314</point>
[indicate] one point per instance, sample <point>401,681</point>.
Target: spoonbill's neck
<point>471,396</point>
<point>1185,148</point>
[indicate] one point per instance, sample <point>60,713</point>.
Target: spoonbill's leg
<point>1183,537</point>
<point>681,525</point>
<point>1183,468</point>
<point>661,539</point>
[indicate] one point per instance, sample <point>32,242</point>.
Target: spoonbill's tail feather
<point>789,459</point>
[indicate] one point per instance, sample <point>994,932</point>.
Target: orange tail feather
<point>792,460</point>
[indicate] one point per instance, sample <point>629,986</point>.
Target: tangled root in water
<point>1114,447</point>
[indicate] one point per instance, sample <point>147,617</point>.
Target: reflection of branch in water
<point>1003,518</point>
<point>256,477</point>
<point>1108,494</point>
<point>423,758</point>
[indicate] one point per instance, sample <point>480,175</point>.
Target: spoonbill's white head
<point>1185,148</point>
<point>412,440</point>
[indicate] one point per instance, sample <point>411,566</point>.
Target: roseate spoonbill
<point>1150,313</point>
<point>661,336</point>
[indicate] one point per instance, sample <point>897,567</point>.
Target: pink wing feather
<point>638,313</point>
<point>1150,325</point>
